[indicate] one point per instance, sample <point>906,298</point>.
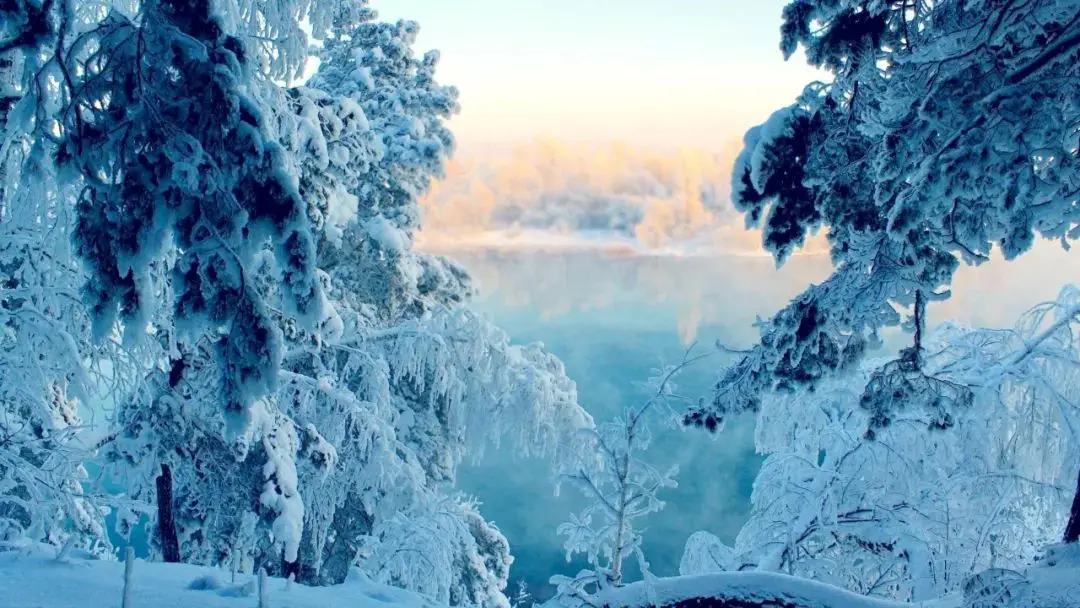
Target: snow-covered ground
<point>1053,582</point>
<point>752,588</point>
<point>34,578</point>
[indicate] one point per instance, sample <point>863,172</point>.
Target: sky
<point>652,74</point>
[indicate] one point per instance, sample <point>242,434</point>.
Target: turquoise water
<point>612,318</point>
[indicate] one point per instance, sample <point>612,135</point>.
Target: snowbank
<point>33,578</point>
<point>739,590</point>
<point>1053,582</point>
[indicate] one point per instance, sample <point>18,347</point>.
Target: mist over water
<point>613,318</point>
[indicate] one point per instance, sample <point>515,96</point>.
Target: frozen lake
<point>611,318</point>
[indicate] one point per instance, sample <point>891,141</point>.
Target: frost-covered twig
<point>621,488</point>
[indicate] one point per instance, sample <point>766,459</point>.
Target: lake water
<point>612,318</point>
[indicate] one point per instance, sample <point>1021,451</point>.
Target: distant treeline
<point>655,197</point>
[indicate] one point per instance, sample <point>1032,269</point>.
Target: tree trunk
<point>166,525</point>
<point>1072,530</point>
<point>289,570</point>
<point>920,325</point>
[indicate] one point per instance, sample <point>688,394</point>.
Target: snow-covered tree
<point>45,351</point>
<point>186,181</point>
<point>441,378</point>
<point>43,342</point>
<point>444,549</point>
<point>370,66</point>
<point>948,129</point>
<point>347,461</point>
<point>621,488</point>
<point>913,515</point>
<point>703,553</point>
<point>163,122</point>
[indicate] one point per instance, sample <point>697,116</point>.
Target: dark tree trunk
<point>1072,530</point>
<point>920,325</point>
<point>290,568</point>
<point>166,524</point>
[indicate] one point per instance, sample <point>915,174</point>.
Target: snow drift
<point>32,577</point>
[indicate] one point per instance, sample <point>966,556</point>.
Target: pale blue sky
<point>652,73</point>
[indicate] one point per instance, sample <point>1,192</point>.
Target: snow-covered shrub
<point>705,552</point>
<point>45,352</point>
<point>444,549</point>
<point>621,489</point>
<point>911,514</point>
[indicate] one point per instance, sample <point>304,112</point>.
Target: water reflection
<point>611,317</point>
<point>700,291</point>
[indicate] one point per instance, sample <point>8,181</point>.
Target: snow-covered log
<point>737,590</point>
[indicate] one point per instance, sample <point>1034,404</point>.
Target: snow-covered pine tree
<point>350,456</point>
<point>371,65</point>
<point>186,179</point>
<point>949,129</point>
<point>165,126</point>
<point>444,377</point>
<point>945,131</point>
